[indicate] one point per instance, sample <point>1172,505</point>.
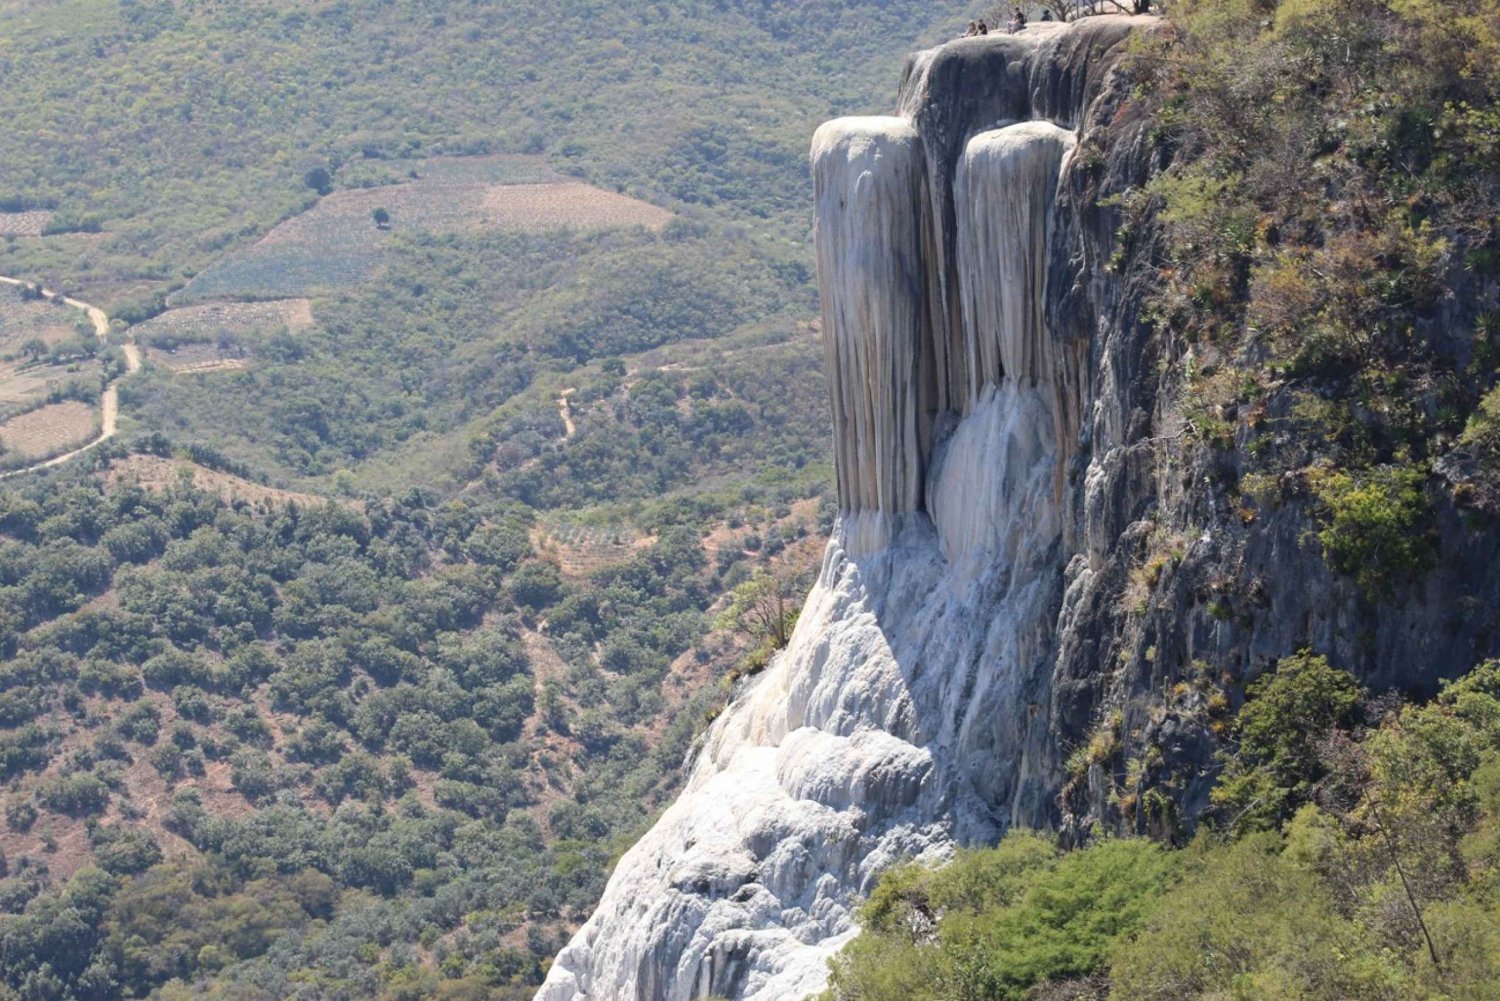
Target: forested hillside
<point>388,620</point>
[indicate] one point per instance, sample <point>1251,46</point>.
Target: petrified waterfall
<point>909,713</point>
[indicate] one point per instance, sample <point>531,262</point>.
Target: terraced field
<point>44,432</point>
<point>337,244</point>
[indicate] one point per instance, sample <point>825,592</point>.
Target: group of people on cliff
<point>1066,11</point>
<point>1016,23</point>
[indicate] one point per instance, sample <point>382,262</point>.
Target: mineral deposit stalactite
<point>870,174</point>
<point>1005,190</point>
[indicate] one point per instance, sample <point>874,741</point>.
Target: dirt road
<point>109,403</point>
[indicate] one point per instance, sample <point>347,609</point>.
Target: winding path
<point>109,403</point>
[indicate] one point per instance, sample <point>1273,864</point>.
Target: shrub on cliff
<point>1280,734</point>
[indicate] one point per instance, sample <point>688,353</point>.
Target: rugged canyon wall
<point>1009,453</point>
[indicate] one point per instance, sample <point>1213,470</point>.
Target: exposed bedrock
<point>956,244</point>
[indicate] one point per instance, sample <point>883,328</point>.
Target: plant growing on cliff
<point>1326,230</point>
<point>1375,524</point>
<point>765,608</point>
<point>997,922</point>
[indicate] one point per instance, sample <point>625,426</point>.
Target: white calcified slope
<point>901,719</point>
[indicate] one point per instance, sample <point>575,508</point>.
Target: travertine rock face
<point>909,712</point>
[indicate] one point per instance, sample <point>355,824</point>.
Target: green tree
<point>766,606</point>
<point>35,348</point>
<point>319,179</point>
<point>1280,737</point>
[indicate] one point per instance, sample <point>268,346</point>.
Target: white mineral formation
<point>905,715</point>
<point>869,174</point>
<point>1004,192</point>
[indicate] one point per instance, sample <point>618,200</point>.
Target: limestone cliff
<point>1008,449</point>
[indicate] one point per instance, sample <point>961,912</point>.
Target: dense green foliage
<point>331,723</point>
<point>1279,741</point>
<point>1378,882</point>
<point>997,922</point>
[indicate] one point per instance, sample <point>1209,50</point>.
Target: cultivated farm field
<point>540,207</point>
<point>23,223</point>
<point>223,323</point>
<point>580,548</point>
<point>21,320</point>
<point>47,431</point>
<point>337,244</point>
<point>22,387</point>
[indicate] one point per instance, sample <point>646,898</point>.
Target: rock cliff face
<point>958,253</point>
<point>1009,455</point>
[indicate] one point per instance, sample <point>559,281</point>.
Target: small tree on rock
<point>766,605</point>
